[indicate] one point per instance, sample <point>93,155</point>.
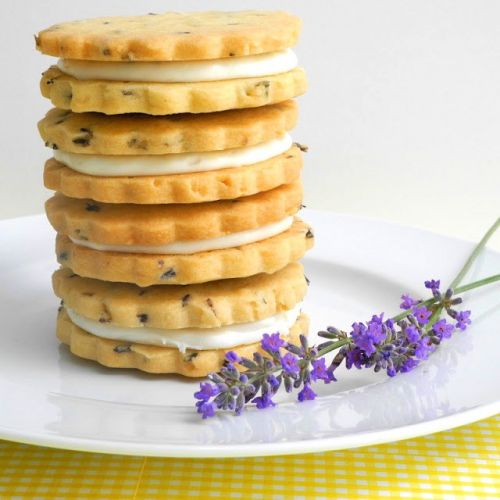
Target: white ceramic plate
<point>358,267</point>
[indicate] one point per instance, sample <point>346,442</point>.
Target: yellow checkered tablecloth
<point>462,463</point>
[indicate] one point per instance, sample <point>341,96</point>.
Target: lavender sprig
<point>395,345</point>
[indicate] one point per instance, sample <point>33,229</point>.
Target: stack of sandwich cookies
<point>177,235</point>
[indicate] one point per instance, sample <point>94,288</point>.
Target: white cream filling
<point>178,163</point>
<point>271,63</point>
<point>200,339</point>
<point>188,247</point>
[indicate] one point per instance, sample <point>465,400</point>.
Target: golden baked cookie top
<point>172,36</point>
<point>139,134</point>
<point>131,224</point>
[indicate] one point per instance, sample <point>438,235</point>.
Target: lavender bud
<point>293,349</point>
<point>240,403</point>
<point>257,356</point>
<point>265,389</point>
<point>332,329</point>
<point>452,313</point>
<point>220,400</point>
<point>249,392</point>
<point>448,294</point>
<point>323,345</point>
<point>304,342</point>
<point>216,378</point>
<point>248,363</point>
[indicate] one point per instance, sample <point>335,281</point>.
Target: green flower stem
<point>474,254</point>
<point>333,346</point>
<point>428,302</point>
<point>433,319</point>
<point>458,291</point>
<point>476,284</point>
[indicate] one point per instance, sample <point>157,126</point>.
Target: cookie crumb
<point>143,318</point>
<point>185,300</point>
<point>210,304</point>
<point>170,273</point>
<point>62,256</point>
<point>122,348</point>
<point>302,147</point>
<point>92,207</point>
<point>105,316</point>
<point>82,141</point>
<point>190,356</point>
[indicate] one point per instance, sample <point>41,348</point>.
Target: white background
<point>402,116</point>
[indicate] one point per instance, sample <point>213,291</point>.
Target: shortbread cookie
<point>129,224</point>
<point>155,359</point>
<point>94,133</point>
<point>117,97</point>
<point>266,256</point>
<point>171,36</point>
<point>207,305</point>
<point>223,184</point>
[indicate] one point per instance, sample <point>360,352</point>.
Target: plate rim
<point>348,441</point>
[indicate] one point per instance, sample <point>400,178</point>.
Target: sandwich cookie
<point>181,159</point>
<point>180,244</point>
<point>177,329</point>
<point>173,63</point>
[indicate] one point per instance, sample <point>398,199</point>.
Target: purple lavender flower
<point>408,302</point>
<point>395,346</point>
<point>320,371</point>
<point>272,343</point>
<point>206,409</point>
<point>376,328</point>
<point>422,314</point>
<point>433,285</point>
<point>355,357</point>
<point>232,357</point>
<point>273,382</point>
<point>306,394</point>
<point>443,329</point>
<point>362,338</point>
<point>263,402</point>
<point>412,334</point>
<point>463,319</point>
<point>409,365</point>
<point>207,390</point>
<point>365,343</point>
<point>424,348</point>
<point>290,364</point>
